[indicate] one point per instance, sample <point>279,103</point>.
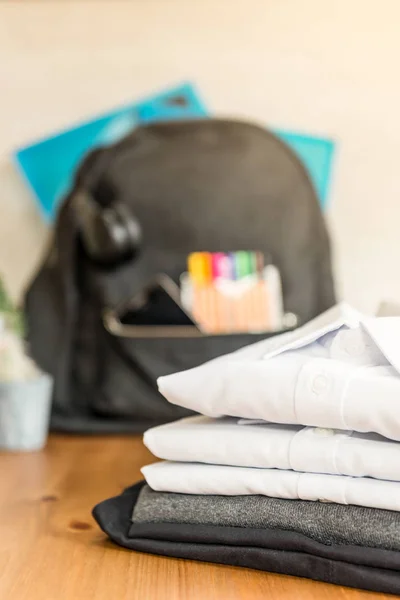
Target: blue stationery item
<point>317,156</point>
<point>49,165</point>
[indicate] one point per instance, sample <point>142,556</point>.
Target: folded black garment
<point>274,550</point>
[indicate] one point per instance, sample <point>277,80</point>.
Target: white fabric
<point>225,442</point>
<point>332,320</point>
<point>189,478</point>
<point>341,378</point>
<point>385,332</point>
<point>294,389</point>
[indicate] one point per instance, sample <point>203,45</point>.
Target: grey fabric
<point>323,522</point>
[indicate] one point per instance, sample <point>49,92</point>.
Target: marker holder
<point>252,304</point>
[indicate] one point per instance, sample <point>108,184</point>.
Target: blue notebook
<point>48,166</point>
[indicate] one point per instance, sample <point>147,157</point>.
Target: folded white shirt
<point>343,378</point>
<point>189,478</point>
<point>271,446</point>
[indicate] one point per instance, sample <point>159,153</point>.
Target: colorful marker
<point>244,264</point>
<point>227,307</point>
<point>200,267</point>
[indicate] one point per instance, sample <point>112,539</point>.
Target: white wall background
<point>328,68</point>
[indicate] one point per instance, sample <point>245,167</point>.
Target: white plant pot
<point>25,413</point>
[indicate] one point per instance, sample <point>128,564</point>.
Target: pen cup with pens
<point>233,292</point>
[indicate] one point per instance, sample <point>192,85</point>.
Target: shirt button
<point>355,349</point>
<point>352,343</point>
<point>320,384</point>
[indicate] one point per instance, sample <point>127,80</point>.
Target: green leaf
<point>5,302</point>
<point>13,318</point>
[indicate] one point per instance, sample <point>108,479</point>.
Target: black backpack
<point>215,185</point>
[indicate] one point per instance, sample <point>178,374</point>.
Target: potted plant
<point>25,392</point>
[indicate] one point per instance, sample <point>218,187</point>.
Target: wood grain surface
<point>51,549</point>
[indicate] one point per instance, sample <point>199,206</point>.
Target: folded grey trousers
<point>324,522</point>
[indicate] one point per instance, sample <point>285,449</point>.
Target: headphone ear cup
<point>109,235</point>
<point>132,228</point>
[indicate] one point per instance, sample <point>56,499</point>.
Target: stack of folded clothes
<point>294,466</point>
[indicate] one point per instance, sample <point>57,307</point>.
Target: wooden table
<point>51,549</point>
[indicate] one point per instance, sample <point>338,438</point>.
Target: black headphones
<point>109,231</point>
